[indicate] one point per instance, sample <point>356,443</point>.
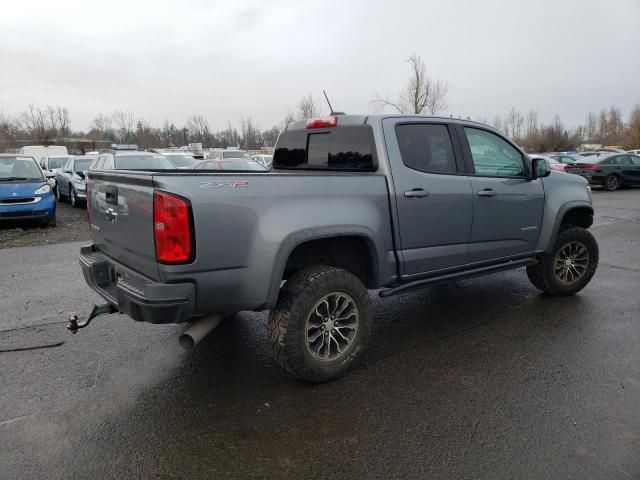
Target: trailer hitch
<point>97,310</point>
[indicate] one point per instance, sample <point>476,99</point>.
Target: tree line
<point>421,94</point>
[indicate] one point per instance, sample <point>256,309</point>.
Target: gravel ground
<point>72,226</point>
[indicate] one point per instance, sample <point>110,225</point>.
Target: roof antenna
<point>330,107</point>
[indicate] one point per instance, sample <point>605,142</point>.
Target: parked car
<point>564,157</point>
<point>71,180</point>
<point>131,160</point>
<point>25,193</point>
<point>635,151</point>
<point>612,171</point>
<point>339,216</point>
<point>53,163</point>
<point>180,158</point>
<point>235,165</point>
<point>265,160</point>
<point>553,163</point>
<point>220,154</point>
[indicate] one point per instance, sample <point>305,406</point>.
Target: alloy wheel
<point>331,327</point>
<point>571,262</point>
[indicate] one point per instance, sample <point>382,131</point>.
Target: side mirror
<point>540,168</point>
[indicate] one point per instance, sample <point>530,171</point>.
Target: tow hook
<point>97,310</point>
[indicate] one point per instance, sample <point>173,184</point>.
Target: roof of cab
<point>345,120</point>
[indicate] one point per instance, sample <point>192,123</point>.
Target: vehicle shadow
<point>228,407</point>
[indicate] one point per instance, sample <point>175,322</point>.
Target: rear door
<point>122,218</point>
<point>432,194</point>
<point>629,172</point>
<point>507,204</point>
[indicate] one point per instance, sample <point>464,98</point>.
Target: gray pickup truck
<point>355,203</point>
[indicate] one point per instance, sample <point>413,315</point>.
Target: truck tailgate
<point>121,214</point>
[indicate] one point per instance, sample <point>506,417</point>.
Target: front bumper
<point>141,298</point>
<point>40,208</point>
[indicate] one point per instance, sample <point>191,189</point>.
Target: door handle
<point>487,192</point>
<point>417,192</point>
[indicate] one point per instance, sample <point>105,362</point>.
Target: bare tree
<point>103,123</point>
<point>591,128</point>
<point>289,118</point>
<point>421,94</point>
<point>62,119</point>
<point>531,129</point>
<point>197,126</point>
<point>126,122</point>
<point>307,108</point>
<point>251,138</point>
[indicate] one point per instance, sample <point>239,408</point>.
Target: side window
<point>426,147</point>
<point>108,164</point>
<point>493,156</point>
<point>635,159</point>
<point>607,161</point>
<point>624,160</point>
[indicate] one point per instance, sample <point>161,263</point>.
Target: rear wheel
<point>320,324</point>
<point>611,183</point>
<point>569,266</point>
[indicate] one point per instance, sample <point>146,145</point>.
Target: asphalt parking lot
<point>485,378</point>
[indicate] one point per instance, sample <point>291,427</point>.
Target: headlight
<point>79,184</point>
<point>46,188</point>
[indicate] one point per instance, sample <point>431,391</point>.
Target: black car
<point>612,171</point>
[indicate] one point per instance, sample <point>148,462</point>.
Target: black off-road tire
<point>611,183</point>
<point>288,320</point>
<point>542,275</point>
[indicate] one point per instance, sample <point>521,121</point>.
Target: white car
<point>265,160</point>
<point>635,151</point>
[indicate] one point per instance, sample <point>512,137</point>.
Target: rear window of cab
<point>349,148</point>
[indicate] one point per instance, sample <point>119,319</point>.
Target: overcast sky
<point>232,58</point>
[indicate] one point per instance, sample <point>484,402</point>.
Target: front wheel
<point>320,324</point>
<point>569,266</point>
<point>73,198</point>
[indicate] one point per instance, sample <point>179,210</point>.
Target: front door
<point>507,204</point>
<point>432,195</point>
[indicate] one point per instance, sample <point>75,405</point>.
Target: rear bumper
<point>141,298</point>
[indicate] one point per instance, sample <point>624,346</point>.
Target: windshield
<point>56,162</point>
<point>82,165</point>
<point>143,162</point>
<point>234,154</point>
<point>181,160</point>
<point>19,168</point>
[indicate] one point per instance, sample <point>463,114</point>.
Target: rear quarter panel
<point>246,226</point>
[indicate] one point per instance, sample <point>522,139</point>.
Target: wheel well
<point>579,217</point>
<point>352,253</point>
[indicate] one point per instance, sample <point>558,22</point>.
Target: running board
<point>450,277</point>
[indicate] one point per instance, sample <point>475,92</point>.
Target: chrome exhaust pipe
<point>198,330</point>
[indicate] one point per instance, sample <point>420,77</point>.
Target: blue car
<point>25,193</point>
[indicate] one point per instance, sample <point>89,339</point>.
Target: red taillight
<point>589,167</point>
<point>172,228</point>
<point>322,122</point>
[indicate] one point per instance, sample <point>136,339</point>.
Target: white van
<point>40,151</point>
